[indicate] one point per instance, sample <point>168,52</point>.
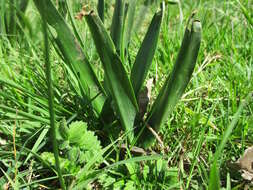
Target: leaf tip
<point>84,12</point>
<point>196,26</point>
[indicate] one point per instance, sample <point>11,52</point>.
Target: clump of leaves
<point>116,99</point>
<point>148,175</point>
<point>78,146</point>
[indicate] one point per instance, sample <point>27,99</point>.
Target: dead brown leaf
<point>144,97</point>
<point>246,164</point>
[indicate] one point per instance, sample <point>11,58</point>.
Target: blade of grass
<point>51,100</point>
<point>29,106</point>
<point>232,125</point>
<point>37,156</point>
<point>73,23</point>
<point>146,53</point>
<point>119,85</point>
<point>31,137</point>
<point>37,143</point>
<point>245,12</point>
<point>176,83</point>
<point>214,181</point>
<point>38,98</point>
<point>13,184</point>
<point>24,114</point>
<point>43,180</point>
<point>198,147</point>
<point>136,159</point>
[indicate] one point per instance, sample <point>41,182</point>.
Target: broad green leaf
<point>65,164</point>
<point>118,24</point>
<point>76,132</point>
<point>63,129</point>
<point>72,53</point>
<point>129,23</point>
<point>101,9</point>
<point>146,53</point>
<point>119,86</point>
<point>107,115</point>
<point>176,83</point>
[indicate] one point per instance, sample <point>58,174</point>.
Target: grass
<point>208,128</point>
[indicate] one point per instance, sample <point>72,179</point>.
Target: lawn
<point>145,94</point>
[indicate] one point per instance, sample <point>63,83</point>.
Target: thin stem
<point>51,103</point>
<point>14,149</point>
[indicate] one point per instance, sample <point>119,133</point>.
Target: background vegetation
<point>210,127</point>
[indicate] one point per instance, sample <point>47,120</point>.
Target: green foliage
<point>73,55</point>
<point>101,9</point>
<point>13,19</point>
<point>119,86</point>
<point>208,115</point>
<point>148,175</point>
<point>177,82</point>
<point>214,179</point>
<point>78,144</point>
<point>66,165</point>
<point>146,53</point>
<point>117,25</point>
<point>81,142</point>
<point>111,48</point>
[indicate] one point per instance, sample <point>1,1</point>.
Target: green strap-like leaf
<point>118,24</point>
<point>101,9</point>
<point>129,22</point>
<point>146,53</point>
<point>175,85</point>
<point>119,86</point>
<point>73,54</point>
<point>23,5</point>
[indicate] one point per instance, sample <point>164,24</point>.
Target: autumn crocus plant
<point>115,100</point>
